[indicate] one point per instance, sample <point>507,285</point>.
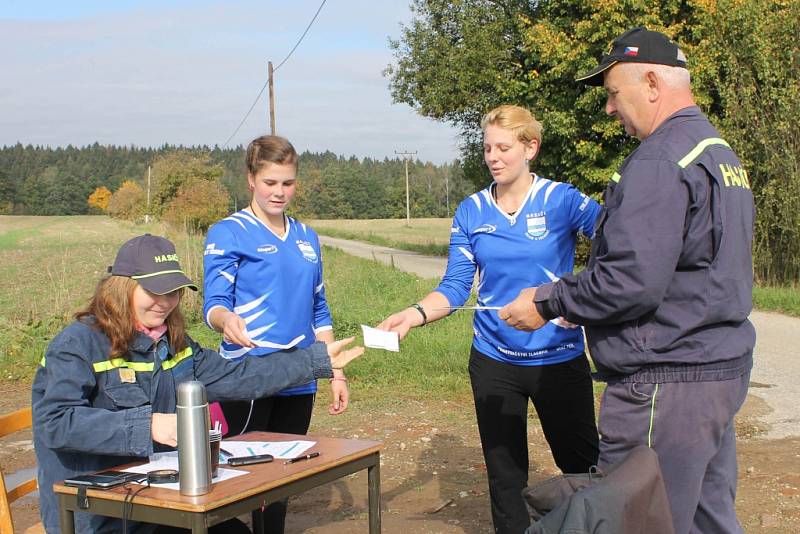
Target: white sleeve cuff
<point>323,328</point>
<point>208,315</point>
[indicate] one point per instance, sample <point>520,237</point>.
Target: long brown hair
<point>112,308</point>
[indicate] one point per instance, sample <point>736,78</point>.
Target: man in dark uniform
<point>668,289</point>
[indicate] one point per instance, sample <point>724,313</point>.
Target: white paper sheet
<point>380,339</point>
<point>169,460</point>
<point>278,449</point>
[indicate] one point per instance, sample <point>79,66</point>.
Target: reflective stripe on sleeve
<point>146,367</point>
<point>182,355</point>
<point>701,146</point>
<point>116,363</point>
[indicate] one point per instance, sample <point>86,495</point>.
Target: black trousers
<point>290,414</point>
<point>563,398</point>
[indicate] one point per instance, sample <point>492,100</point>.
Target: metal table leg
<point>66,517</point>
<point>199,525</point>
<point>374,490</point>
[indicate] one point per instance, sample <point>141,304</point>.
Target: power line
<point>246,114</point>
<point>261,92</point>
<point>302,36</point>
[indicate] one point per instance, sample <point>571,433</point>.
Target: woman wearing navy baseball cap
<point>104,393</point>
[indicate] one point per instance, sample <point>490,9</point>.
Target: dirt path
<point>432,474</point>
<point>410,262</point>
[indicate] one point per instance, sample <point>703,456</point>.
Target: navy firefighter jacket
<point>93,412</point>
<point>668,289</point>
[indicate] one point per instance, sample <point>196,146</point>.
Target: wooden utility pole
<point>405,155</point>
<point>447,190</point>
<point>271,101</point>
<point>147,215</point>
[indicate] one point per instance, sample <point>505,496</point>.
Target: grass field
<point>49,269</point>
<point>426,236</point>
<point>56,261</point>
<point>51,265</point>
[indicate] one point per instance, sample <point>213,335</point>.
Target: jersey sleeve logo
<point>267,249</point>
<point>307,251</point>
<point>485,229</point>
<point>537,225</point>
<point>211,249</point>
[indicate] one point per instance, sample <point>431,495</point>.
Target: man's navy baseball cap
<point>637,45</point>
<point>151,261</point>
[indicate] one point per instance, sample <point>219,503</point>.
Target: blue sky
<point>186,72</point>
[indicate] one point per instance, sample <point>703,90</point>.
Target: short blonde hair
<point>517,119</point>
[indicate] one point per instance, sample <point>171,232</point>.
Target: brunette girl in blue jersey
<point>518,232</point>
<point>264,291</point>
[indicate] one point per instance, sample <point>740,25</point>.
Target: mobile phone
<point>247,460</point>
<point>104,479</point>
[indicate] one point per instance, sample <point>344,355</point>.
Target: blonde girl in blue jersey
<point>264,292</point>
<point>520,229</point>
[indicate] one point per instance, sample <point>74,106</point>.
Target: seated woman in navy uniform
<point>105,392</point>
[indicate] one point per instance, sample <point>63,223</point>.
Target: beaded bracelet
<point>340,378</point>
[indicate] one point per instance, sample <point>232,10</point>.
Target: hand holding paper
<point>401,322</point>
<point>380,339</point>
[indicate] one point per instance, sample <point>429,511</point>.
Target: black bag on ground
<point>628,499</point>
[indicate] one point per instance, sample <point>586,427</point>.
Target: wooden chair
<point>10,423</point>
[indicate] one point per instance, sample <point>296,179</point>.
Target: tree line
<point>456,59</point>
<point>196,186</point>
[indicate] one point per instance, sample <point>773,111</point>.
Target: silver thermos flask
<point>194,453</point>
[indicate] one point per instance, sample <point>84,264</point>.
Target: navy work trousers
<point>563,398</point>
<point>690,426</point>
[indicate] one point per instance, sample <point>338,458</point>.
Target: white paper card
<point>380,339</point>
<point>278,449</point>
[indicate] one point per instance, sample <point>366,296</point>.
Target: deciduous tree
<point>457,59</point>
<point>99,199</point>
<point>171,170</point>
<point>127,202</point>
<point>198,204</point>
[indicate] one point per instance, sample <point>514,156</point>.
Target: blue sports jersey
<point>273,283</point>
<point>511,252</point>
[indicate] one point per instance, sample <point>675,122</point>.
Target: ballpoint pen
<point>300,458</point>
